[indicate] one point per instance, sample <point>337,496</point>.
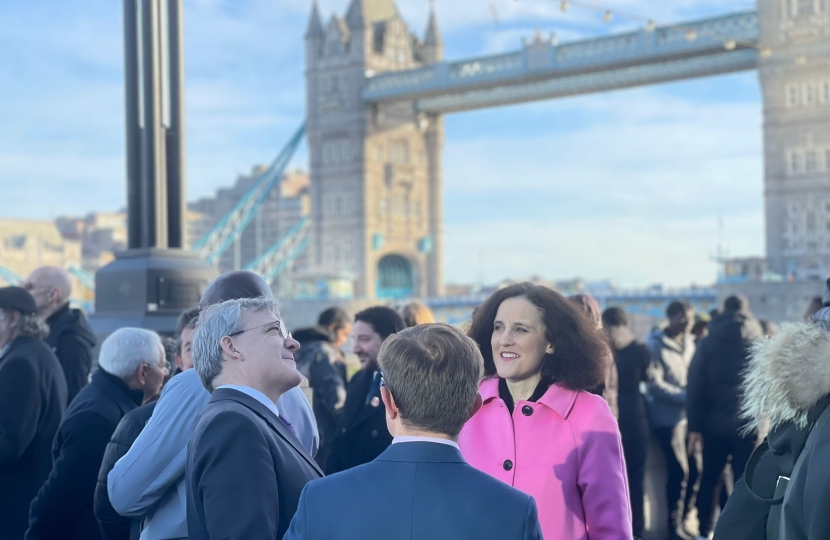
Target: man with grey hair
<point>32,402</point>
<point>420,487</point>
<point>149,481</point>
<point>132,367</point>
<point>70,336</point>
<point>245,465</point>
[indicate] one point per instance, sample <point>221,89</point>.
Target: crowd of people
<point>532,422</point>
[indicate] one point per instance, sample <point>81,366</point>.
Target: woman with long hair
<point>539,430</point>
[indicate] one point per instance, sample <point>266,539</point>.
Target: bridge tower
<point>796,87</point>
<point>375,169</point>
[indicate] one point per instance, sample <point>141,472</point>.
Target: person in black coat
<point>320,360</point>
<point>132,367</point>
<point>70,336</point>
<point>631,360</point>
<point>362,434</point>
<point>112,524</point>
<point>32,402</point>
<point>715,378</point>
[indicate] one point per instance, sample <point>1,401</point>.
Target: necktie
<point>374,388</point>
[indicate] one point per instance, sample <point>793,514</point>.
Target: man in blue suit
<point>420,488</point>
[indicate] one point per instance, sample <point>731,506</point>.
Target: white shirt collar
<point>409,438</point>
<point>256,394</point>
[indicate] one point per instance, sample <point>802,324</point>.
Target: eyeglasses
<point>285,334</point>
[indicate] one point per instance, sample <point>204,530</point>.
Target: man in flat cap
<point>32,402</point>
<point>149,481</point>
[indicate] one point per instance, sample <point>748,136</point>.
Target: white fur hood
<point>787,375</point>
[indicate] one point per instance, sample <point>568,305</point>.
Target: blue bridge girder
<point>543,70</point>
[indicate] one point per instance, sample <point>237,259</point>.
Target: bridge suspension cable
<point>214,244</point>
<point>11,277</point>
<point>277,258</point>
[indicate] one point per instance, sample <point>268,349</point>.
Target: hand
<point>695,442</point>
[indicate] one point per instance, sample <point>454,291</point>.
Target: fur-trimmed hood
<point>787,375</point>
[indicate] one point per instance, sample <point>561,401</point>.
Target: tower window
<point>792,96</point>
<point>810,161</point>
<point>806,7</point>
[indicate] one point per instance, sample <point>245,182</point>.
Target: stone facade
<point>375,170</point>
<point>796,88</point>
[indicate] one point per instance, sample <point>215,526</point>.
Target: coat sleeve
<point>231,456</point>
<point>697,403</point>
<point>20,408</point>
<point>298,530</point>
<point>661,389</point>
<point>70,487</point>
<point>817,493</point>
<point>113,526</point>
<point>156,460</point>
<point>76,359</point>
<point>602,477</point>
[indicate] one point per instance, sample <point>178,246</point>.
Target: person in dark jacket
<point>112,524</point>
<point>320,360</point>
<point>362,434</point>
<point>131,368</point>
<point>69,333</point>
<point>32,402</point>
<point>715,379</point>
<point>631,360</point>
<point>788,384</point>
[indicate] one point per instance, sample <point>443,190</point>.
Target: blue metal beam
<point>221,237</point>
<point>277,258</point>
<point>705,47</point>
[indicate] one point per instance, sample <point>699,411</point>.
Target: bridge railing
<point>542,58</point>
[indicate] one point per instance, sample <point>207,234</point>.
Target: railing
<point>542,58</point>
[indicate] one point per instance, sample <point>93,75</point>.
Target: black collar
<point>507,397</point>
<point>64,309</point>
<point>117,385</point>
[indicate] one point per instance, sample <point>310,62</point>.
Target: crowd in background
<point>535,421</point>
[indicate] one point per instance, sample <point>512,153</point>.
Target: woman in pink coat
<point>539,430</point>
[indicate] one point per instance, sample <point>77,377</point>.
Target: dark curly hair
<point>580,349</point>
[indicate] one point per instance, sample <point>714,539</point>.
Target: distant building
<point>101,235</point>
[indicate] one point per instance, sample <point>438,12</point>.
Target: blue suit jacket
<point>414,491</point>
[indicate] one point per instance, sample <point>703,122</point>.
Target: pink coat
<point>565,451</point>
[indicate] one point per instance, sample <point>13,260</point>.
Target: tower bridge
<point>376,96</point>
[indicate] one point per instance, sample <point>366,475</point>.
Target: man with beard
<point>361,433</point>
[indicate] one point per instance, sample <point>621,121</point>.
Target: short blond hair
<point>415,313</point>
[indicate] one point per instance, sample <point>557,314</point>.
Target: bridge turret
<point>314,36</point>
<point>433,49</point>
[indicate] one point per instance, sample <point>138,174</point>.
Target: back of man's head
<point>334,318</point>
<point>432,372</point>
<point>736,302</point>
<point>614,316</point>
<point>385,321</point>
<point>123,352</point>
<point>677,307</point>
<point>233,285</point>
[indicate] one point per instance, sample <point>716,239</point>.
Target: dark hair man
<point>245,466</point>
<point>715,379</point>
<point>32,403</point>
<point>672,349</point>
<point>320,360</point>
<point>131,369</point>
<point>361,431</point>
<point>420,487</point>
<point>70,336</point>
<point>149,481</point>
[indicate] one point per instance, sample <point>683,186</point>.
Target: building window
<point>806,7</point>
<point>792,96</point>
<point>796,165</point>
<point>382,207</point>
<point>810,161</point>
<point>810,94</point>
<point>811,222</point>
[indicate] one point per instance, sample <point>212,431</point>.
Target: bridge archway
<point>395,278</point>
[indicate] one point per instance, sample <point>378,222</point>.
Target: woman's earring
<point>549,350</point>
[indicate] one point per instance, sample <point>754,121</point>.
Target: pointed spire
<point>433,34</point>
<point>315,24</point>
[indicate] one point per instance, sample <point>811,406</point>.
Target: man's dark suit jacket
<point>245,471</point>
<point>362,434</point>
<point>414,491</point>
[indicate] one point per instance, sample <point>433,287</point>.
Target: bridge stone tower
<point>375,169</point>
<point>795,80</point>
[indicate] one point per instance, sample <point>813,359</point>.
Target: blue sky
<point>628,185</point>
